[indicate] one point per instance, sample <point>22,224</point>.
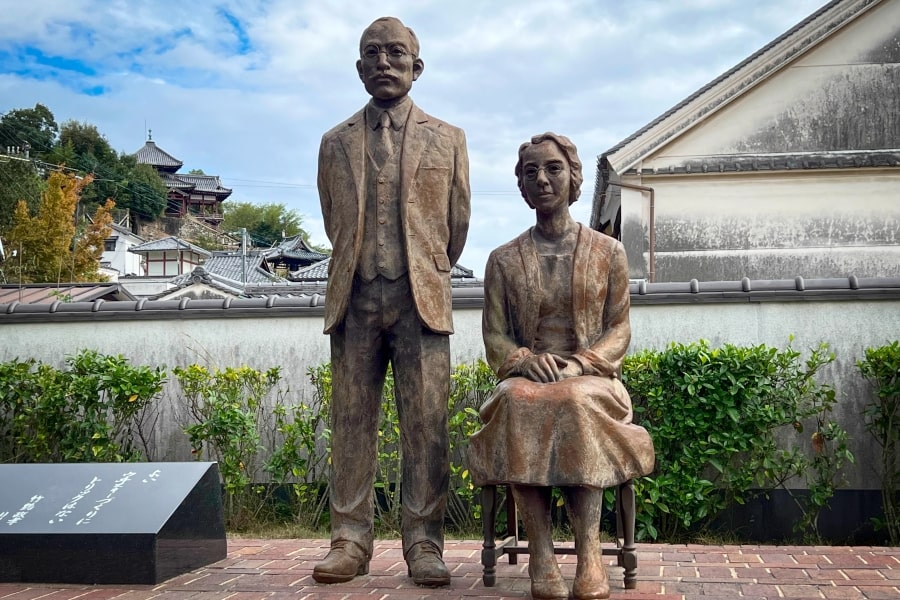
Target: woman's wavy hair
<point>569,151</point>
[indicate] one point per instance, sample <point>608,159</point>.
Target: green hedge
<point>881,367</point>
<point>97,409</point>
<point>728,423</point>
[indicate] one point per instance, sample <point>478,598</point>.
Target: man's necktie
<point>385,146</point>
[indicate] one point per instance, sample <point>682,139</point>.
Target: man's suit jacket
<point>434,211</point>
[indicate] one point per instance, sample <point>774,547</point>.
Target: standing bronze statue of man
<point>394,188</point>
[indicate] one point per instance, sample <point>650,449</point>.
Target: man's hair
<point>413,40</point>
<point>569,151</point>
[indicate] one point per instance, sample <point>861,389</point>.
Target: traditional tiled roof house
<point>787,165</point>
<point>170,256</point>
<point>291,254</point>
<point>116,260</point>
<point>188,194</point>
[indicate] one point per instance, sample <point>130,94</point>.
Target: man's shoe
<point>344,561</point>
<point>426,567</point>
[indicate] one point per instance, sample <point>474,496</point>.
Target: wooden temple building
<point>188,194</point>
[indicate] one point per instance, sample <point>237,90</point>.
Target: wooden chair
<point>509,544</point>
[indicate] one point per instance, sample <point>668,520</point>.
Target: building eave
<point>779,162</point>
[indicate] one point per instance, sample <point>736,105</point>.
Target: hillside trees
<point>31,129</point>
<point>19,180</point>
<point>49,247</point>
<point>116,176</point>
<point>34,128</point>
<point>78,147</point>
<point>266,224</point>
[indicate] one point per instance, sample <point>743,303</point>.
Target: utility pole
<point>20,271</point>
<point>244,255</point>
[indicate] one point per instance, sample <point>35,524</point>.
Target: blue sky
<point>244,90</point>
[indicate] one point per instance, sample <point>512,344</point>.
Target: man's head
<point>388,60</point>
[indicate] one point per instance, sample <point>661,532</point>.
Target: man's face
<point>387,66</point>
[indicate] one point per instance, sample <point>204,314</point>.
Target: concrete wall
<point>291,338</point>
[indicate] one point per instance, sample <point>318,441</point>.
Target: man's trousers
<point>381,327</point>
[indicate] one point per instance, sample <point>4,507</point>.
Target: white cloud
<point>249,98</point>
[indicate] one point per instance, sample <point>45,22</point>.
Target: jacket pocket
<point>442,262</point>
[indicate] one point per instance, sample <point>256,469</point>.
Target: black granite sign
<point>109,522</point>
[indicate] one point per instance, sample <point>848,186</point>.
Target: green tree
<point>89,151</point>
<point>62,154</point>
<point>266,224</point>
<point>87,142</point>
<point>18,181</point>
<point>116,176</point>
<point>142,190</point>
<point>35,127</point>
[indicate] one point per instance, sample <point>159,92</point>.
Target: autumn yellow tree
<point>88,246</point>
<point>48,247</point>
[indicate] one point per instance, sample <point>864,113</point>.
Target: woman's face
<point>545,172</point>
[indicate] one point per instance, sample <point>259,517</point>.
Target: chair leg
<point>512,524</point>
<point>625,519</point>
<point>489,522</point>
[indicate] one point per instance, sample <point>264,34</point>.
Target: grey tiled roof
<point>151,154</point>
<point>202,183</point>
<point>286,289</point>
<point>782,162</point>
<point>201,275</point>
<point>294,247</point>
<point>169,243</point>
<point>314,272</point>
<point>746,290</point>
<point>230,265</point>
<point>460,272</point>
<point>319,272</point>
<point>124,231</point>
<point>295,242</point>
<point>173,181</point>
<point>224,271</point>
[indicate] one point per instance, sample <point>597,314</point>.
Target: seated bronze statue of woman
<point>556,329</point>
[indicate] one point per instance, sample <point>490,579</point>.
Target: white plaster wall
<point>123,261</point>
<point>848,222</point>
<point>297,343</point>
<point>146,286</point>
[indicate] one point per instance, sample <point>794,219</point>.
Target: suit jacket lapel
<point>415,140</point>
<point>353,140</point>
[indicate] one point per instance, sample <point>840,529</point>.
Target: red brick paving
<point>282,570</point>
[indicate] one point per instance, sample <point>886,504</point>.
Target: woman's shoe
<point>591,585</point>
<point>548,588</point>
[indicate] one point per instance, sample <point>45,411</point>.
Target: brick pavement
<point>282,570</point>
